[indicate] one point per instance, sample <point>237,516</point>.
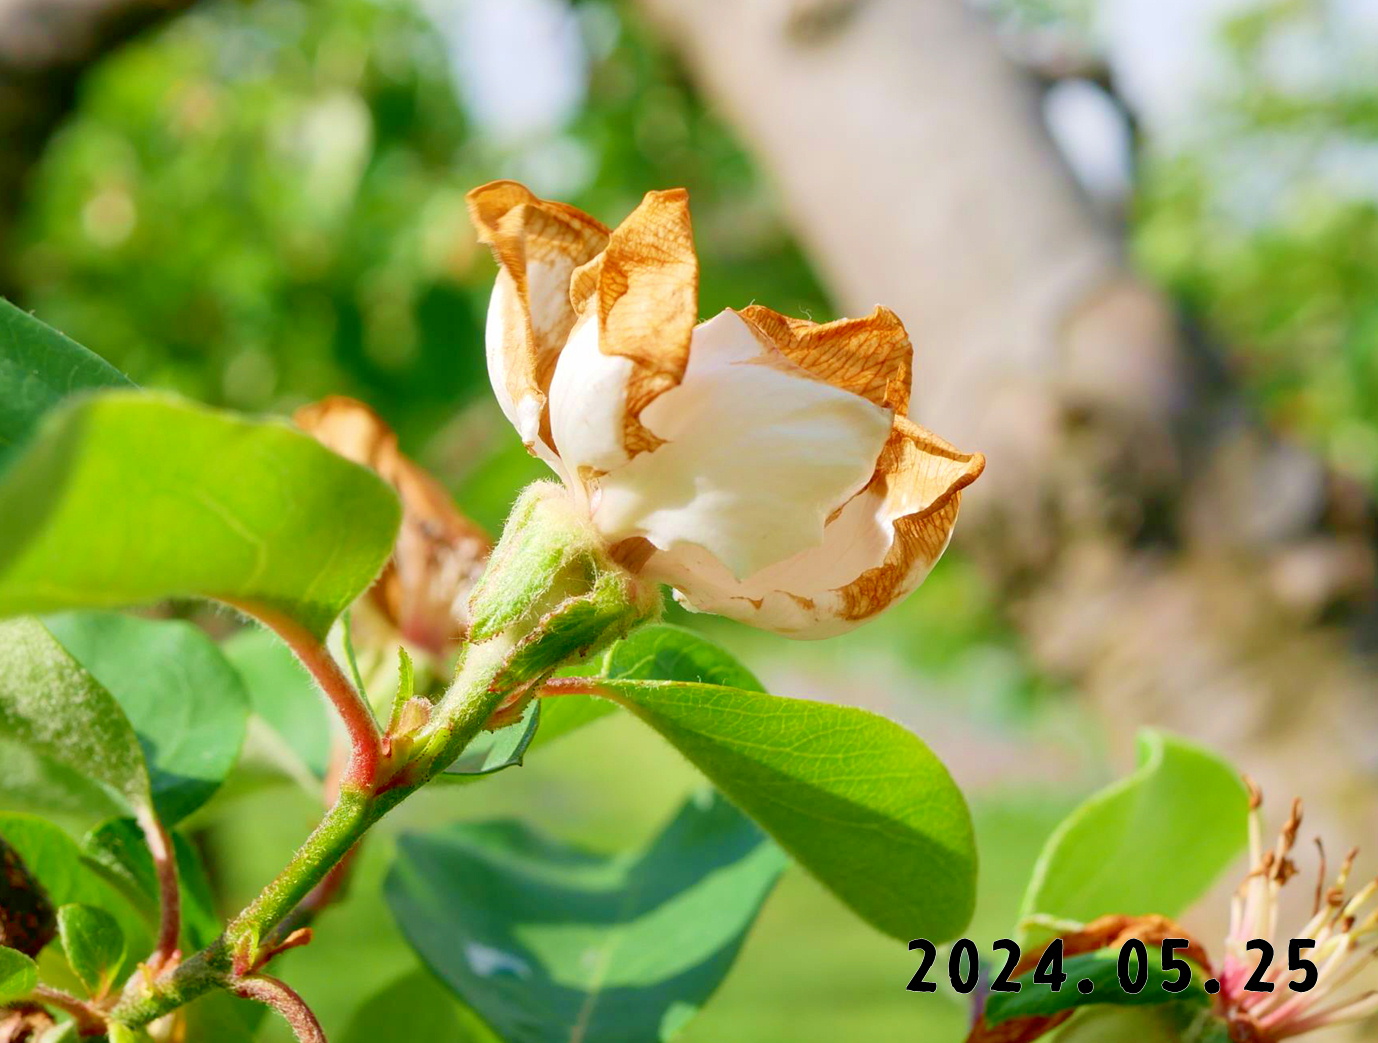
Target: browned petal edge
<point>921,477</point>
<point>870,356</point>
<point>646,286</point>
<point>439,551</point>
<point>1107,932</point>
<point>523,229</point>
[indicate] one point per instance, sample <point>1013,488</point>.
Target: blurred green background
<point>262,203</point>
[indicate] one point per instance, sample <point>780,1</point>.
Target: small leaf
<point>283,694</point>
<point>1151,843</point>
<point>406,686</point>
<point>124,498</point>
<point>94,945</point>
<point>185,701</point>
<point>416,1007</point>
<point>493,751</point>
<point>857,800</point>
<point>18,975</point>
<point>549,943</point>
<point>38,368</point>
<point>118,847</point>
<point>56,709</point>
<point>1101,968</point>
<point>1127,1025</point>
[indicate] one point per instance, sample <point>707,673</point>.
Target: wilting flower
<point>1344,928</point>
<point>422,594</point>
<point>763,466</point>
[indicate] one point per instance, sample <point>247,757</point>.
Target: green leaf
<point>549,943</point>
<point>493,751</point>
<point>124,498</point>
<point>1126,1024</point>
<point>415,1007</point>
<point>1101,969</point>
<point>18,975</point>
<point>1151,843</point>
<point>184,699</point>
<point>94,945</point>
<point>283,694</point>
<point>38,368</point>
<point>857,800</point>
<point>220,1017</point>
<point>56,709</point>
<point>119,849</point>
<point>660,652</point>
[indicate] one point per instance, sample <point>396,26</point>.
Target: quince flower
<point>761,465</point>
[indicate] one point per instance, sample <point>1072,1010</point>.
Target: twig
<point>286,1002</point>
<point>88,1020</point>
<point>169,894</point>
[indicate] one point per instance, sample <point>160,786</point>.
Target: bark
<point>1158,546</point>
<point>45,47</point>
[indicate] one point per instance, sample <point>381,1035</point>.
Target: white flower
<point>763,466</point>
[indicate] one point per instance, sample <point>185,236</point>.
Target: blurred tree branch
<point>1157,545</point>
<point>45,48</point>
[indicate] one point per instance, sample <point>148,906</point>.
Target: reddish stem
<point>88,1020</point>
<point>365,743</point>
<point>169,895</point>
<point>286,1002</point>
<point>571,686</point>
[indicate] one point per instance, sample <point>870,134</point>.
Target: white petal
<point>757,452</point>
<point>799,597</point>
<point>525,413</point>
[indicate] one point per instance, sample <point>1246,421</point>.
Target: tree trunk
<point>1158,547</point>
<point>45,47</point>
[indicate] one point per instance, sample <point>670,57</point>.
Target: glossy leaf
<point>857,800</point>
<point>38,368</point>
<point>1101,968</point>
<point>18,974</point>
<point>118,848</point>
<point>415,1007</point>
<point>660,652</point>
<point>1151,843</point>
<point>283,694</point>
<point>56,709</point>
<point>125,498</point>
<point>549,943</point>
<point>94,945</point>
<point>185,701</point>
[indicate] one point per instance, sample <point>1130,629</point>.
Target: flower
<point>422,594</point>
<point>761,465</point>
<point>1344,929</point>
